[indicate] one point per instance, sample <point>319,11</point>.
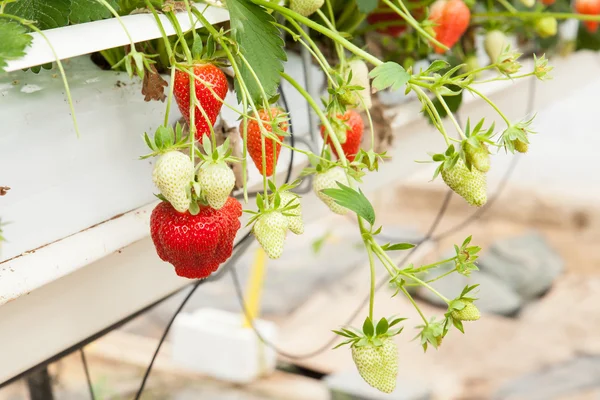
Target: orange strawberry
<point>353,125</point>
<point>588,7</point>
<point>255,143</point>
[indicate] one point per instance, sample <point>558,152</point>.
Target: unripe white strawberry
<point>172,175</point>
<point>470,185</point>
<point>270,230</point>
<point>494,43</point>
<point>327,180</point>
<point>296,225</point>
<point>378,365</point>
<point>306,7</point>
<point>217,181</point>
<point>360,77</point>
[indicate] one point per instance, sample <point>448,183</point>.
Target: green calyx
<point>462,309</point>
<point>371,335</point>
<point>515,137</point>
<point>274,202</point>
<point>432,333</point>
<point>219,155</point>
<point>474,148</point>
<point>166,139</point>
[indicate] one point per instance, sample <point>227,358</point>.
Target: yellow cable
<point>255,286</point>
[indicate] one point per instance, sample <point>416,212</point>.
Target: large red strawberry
<point>255,142</point>
<point>210,79</point>
<point>451,19</point>
<point>588,7</point>
<point>195,244</point>
<point>354,128</point>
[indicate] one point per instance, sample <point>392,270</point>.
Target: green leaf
<point>90,10</point>
<point>400,246</point>
<point>14,41</point>
<point>368,328</point>
<point>47,14</point>
<point>382,326</point>
<point>352,200</point>
<point>366,6</point>
<point>389,74</point>
<point>260,42</point>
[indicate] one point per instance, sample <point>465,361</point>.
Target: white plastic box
<point>214,342</point>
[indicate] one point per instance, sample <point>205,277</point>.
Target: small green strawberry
<point>296,225</point>
<point>327,180</point>
<point>374,352</point>
<point>270,230</point>
<point>470,185</point>
<point>469,312</point>
<point>173,175</point>
<point>216,181</point>
<point>478,157</point>
<point>520,146</point>
<point>546,27</point>
<point>306,7</point>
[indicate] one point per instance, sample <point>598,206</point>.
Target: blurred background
<point>85,301</point>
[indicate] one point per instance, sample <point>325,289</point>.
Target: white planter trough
<point>215,343</point>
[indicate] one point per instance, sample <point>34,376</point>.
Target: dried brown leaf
<point>153,87</point>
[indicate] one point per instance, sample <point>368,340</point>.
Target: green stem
<point>372,288</point>
<point>535,15</point>
<point>441,276</point>
<point>415,305</point>
<point>439,123</point>
<point>170,97</point>
<point>165,38</point>
<point>338,47</point>
<point>490,102</point>
<point>118,17</point>
<point>450,115</point>
<point>412,22</point>
<point>58,63</point>
<point>504,78</point>
<point>424,268</point>
<point>508,6</point>
<point>173,18</point>
<point>321,29</point>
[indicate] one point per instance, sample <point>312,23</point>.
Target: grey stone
<point>349,385</point>
<point>494,296</point>
<point>526,263</point>
<point>558,381</point>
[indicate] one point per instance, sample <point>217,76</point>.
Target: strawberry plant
<point>194,225</point>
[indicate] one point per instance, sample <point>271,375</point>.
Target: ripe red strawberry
<point>255,143</point>
<point>451,18</point>
<point>588,7</point>
<point>354,132</point>
<point>195,244</point>
<point>208,74</point>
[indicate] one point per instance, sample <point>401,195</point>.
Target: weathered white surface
<point>76,40</point>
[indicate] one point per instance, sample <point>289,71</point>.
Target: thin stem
<point>412,22</point>
<point>372,288</point>
<point>170,97</point>
<point>320,114</point>
<point>321,29</point>
<point>432,108</point>
<point>535,15</point>
<point>450,115</point>
<point>504,78</point>
<point>424,268</point>
<point>118,17</point>
<point>441,276</point>
<point>165,38</point>
<point>173,18</point>
<point>508,6</point>
<point>364,106</point>
<point>339,49</point>
<point>58,63</point>
<point>490,102</point>
<point>424,284</point>
<point>415,305</point>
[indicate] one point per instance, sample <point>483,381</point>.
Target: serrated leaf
<point>352,200</point>
<point>260,42</point>
<point>47,14</point>
<point>389,75</point>
<point>90,10</point>
<point>366,6</point>
<point>14,41</point>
